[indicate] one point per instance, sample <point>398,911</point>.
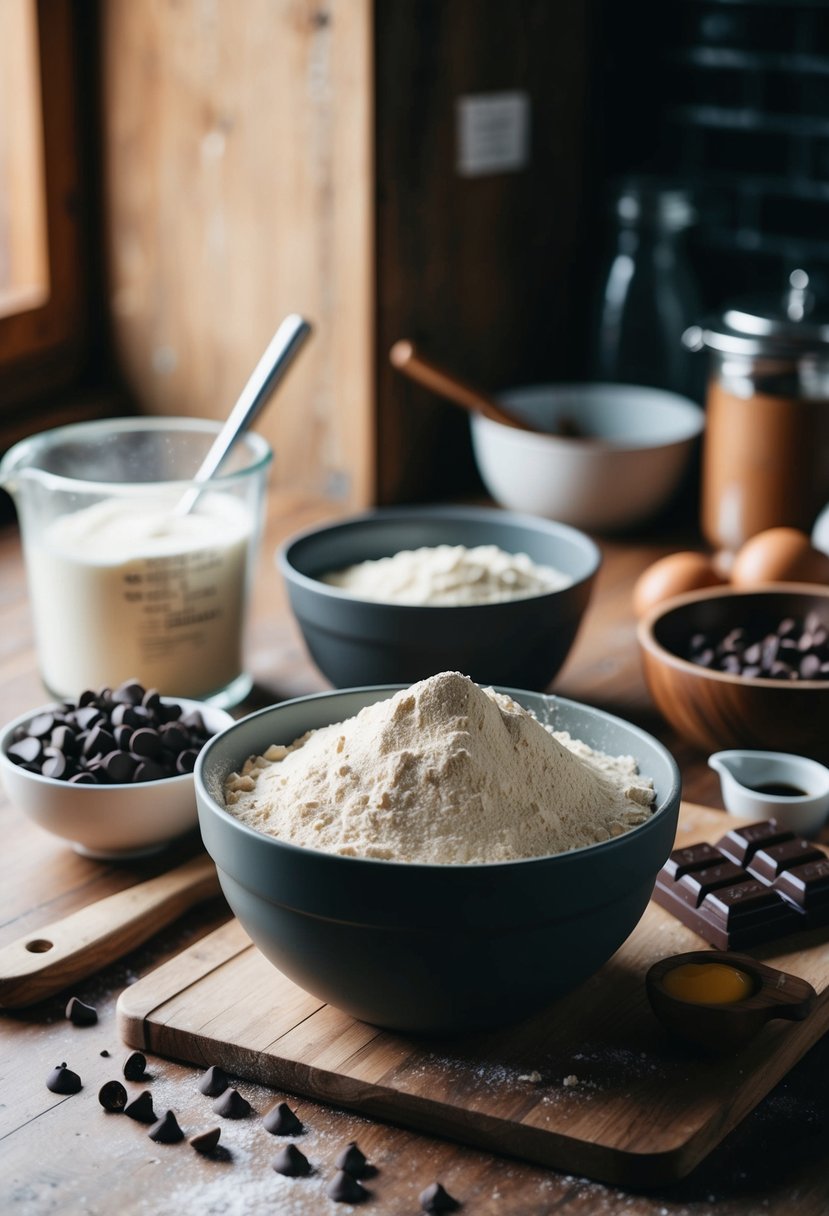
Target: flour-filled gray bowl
<point>434,948</point>
<point>519,642</point>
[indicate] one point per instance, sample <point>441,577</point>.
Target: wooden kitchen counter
<point>66,1155</point>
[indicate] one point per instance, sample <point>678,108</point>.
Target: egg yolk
<point>708,984</point>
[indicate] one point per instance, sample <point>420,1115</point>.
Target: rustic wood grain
<point>65,1155</point>
<point>70,949</point>
<point>41,346</point>
<point>239,188</point>
<point>641,1111</point>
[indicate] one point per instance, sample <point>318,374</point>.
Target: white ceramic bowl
<point>638,446</point>
<point>111,822</point>
<point>748,780</point>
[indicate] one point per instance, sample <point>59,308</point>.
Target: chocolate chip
<point>291,1162</point>
<point>809,666</point>
<point>87,697</point>
<point>166,1130</point>
<point>146,742</point>
<point>122,736</point>
<point>113,1096</point>
<point>281,1121</point>
<point>41,726</point>
<point>87,717</point>
<point>128,693</point>
<point>25,751</point>
<point>62,1080</point>
<point>134,1066</point>
<point>104,1053</point>
<point>84,778</point>
<point>343,1188</point>
<point>151,700</point>
<point>435,1199</point>
<point>148,770</point>
<point>186,760</point>
<point>99,742</point>
<point>205,1142</point>
<point>213,1082</point>
<point>119,767</point>
<point>231,1105</point>
<point>125,715</point>
<point>80,1014</point>
<point>141,1108</point>
<point>173,738</point>
<point>57,767</point>
<point>353,1161</point>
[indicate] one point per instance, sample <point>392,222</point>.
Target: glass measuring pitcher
<point>122,584</point>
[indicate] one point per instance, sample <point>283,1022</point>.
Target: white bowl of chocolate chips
<point>112,773</point>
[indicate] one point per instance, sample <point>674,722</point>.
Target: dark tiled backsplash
<point>743,118</point>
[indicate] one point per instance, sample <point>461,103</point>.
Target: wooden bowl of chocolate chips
<point>112,773</point>
<point>732,668</point>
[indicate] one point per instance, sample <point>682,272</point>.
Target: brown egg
<point>673,575</point>
<point>779,555</point>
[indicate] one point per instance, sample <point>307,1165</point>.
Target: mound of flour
<point>448,575</point>
<point>443,772</point>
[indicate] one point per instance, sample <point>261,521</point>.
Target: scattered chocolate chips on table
<point>141,1108</point>
<point>135,1066</point>
<point>113,1097</point>
<point>792,649</point>
<point>344,1188</point>
<point>435,1199</point>
<point>231,1105</point>
<point>291,1162</point>
<point>206,1142</point>
<point>353,1160</point>
<point>111,738</point>
<point>213,1082</point>
<point>62,1080</point>
<point>166,1130</point>
<point>80,1014</point>
<point>281,1121</point>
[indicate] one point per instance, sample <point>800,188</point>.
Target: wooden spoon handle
<point>68,950</point>
<point>406,358</point>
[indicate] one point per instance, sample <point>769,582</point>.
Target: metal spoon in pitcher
<point>269,371</point>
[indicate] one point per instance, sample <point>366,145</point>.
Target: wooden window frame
<point>42,349</point>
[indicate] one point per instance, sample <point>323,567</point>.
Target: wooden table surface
<point>64,1154</point>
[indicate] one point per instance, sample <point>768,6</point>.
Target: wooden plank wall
<point>238,183</point>
<point>271,155</point>
<point>485,272</point>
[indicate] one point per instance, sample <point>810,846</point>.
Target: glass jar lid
<point>788,325</point>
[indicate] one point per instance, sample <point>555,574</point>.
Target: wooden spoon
<point>68,950</point>
<point>406,358</point>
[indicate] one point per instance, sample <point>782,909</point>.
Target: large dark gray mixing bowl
<point>434,947</point>
<point>521,643</point>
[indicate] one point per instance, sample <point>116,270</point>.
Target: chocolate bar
<point>755,884</point>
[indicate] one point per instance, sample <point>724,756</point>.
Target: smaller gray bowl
<point>520,643</point>
<point>434,948</point>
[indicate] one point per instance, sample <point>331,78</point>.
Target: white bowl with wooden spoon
<point>602,457</point>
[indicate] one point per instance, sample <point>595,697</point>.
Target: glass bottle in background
<point>649,295</point>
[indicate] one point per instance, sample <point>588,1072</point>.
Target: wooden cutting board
<point>593,1085</point>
